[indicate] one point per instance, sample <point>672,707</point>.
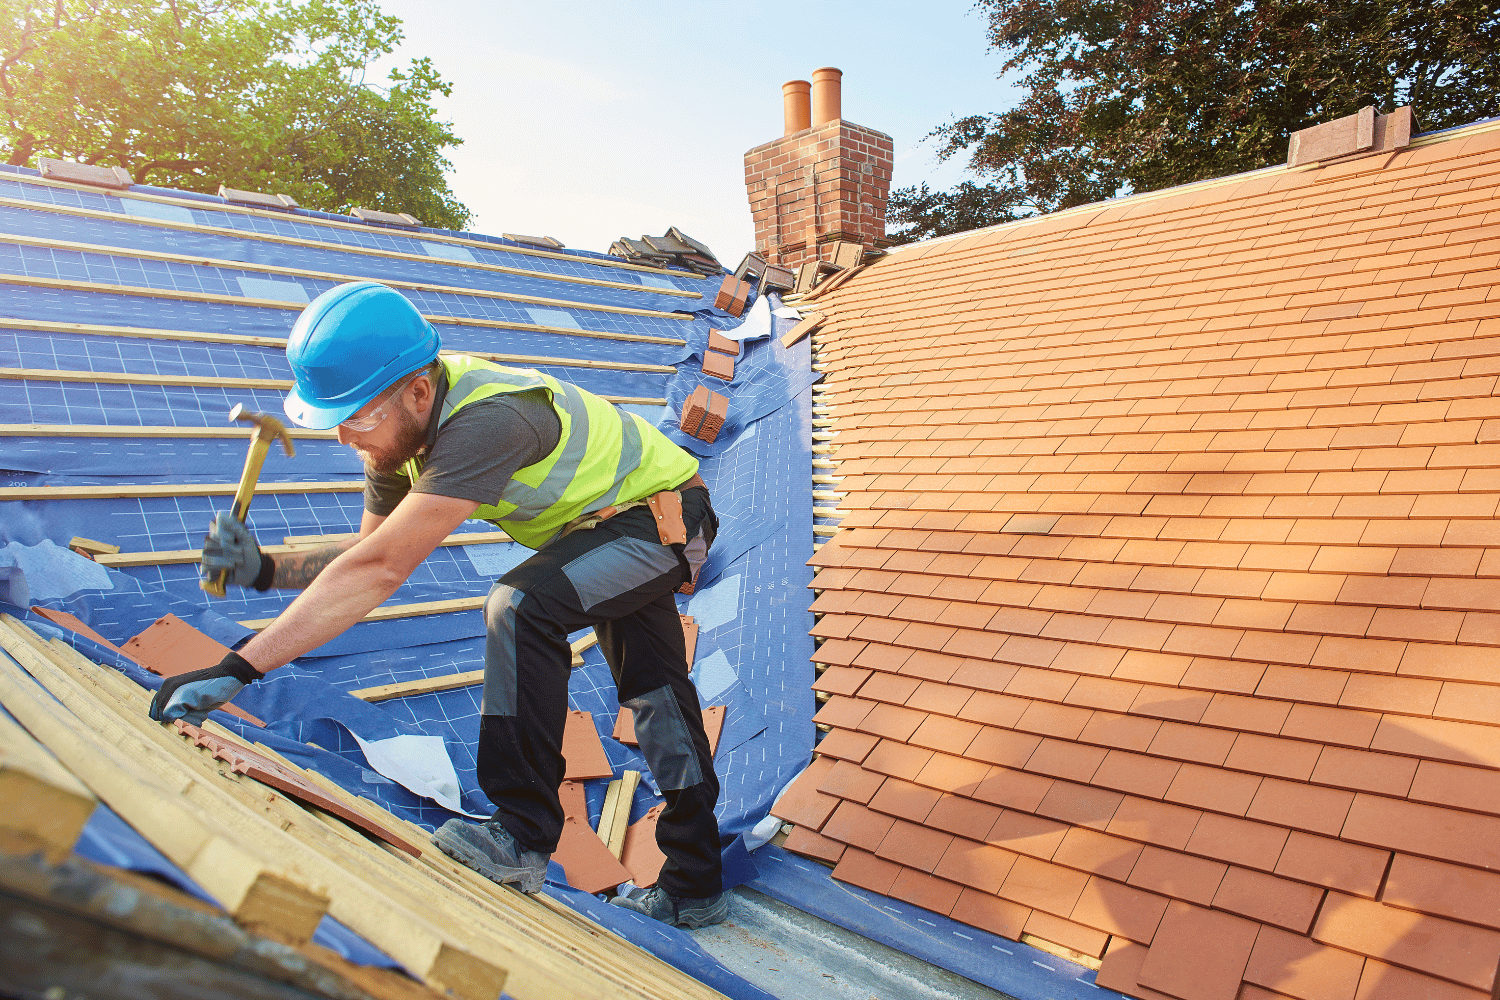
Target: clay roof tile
<point>1195,562</point>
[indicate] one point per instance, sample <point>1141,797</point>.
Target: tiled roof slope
<point>1162,620</point>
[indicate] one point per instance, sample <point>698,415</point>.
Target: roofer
<point>563,472</point>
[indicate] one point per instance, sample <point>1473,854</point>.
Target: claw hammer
<point>267,429</point>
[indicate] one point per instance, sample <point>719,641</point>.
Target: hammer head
<point>267,427</point>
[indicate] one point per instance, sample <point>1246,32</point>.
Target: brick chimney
<point>825,180</point>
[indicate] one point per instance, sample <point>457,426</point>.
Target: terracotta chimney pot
<point>822,186</point>
<point>794,106</point>
<point>826,97</point>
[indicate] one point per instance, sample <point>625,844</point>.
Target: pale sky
<point>588,121</point>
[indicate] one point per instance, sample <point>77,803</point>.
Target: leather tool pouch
<point>666,507</point>
<point>671,529</point>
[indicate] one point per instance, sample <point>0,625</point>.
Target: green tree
<point>1127,97</point>
<point>268,95</point>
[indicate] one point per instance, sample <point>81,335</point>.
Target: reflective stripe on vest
<point>604,455</point>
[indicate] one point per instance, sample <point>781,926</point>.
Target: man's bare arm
<point>297,570</point>
<point>358,579</point>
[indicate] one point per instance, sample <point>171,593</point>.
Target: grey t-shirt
<point>475,454</point>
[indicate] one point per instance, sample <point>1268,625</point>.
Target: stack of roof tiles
<point>675,248</point>
<point>732,295</point>
<point>1162,620</point>
<point>703,414</point>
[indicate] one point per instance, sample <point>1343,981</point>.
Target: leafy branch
<point>259,94</point>
<point>1126,97</point>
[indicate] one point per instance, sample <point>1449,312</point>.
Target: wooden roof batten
<point>1128,644</point>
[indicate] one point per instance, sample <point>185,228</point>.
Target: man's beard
<point>410,439</point>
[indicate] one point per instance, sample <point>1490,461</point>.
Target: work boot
<point>658,904</point>
<point>490,850</point>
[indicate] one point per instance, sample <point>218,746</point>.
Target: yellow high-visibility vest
<point>604,455</point>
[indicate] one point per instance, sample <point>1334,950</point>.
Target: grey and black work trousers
<point>619,578</point>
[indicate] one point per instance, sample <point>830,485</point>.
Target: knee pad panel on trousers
<point>664,740</point>
<point>500,650</point>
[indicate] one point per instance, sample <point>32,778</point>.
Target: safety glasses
<point>371,420</point>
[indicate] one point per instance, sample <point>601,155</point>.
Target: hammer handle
<point>217,585</point>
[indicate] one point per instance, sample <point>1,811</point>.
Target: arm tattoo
<point>296,570</point>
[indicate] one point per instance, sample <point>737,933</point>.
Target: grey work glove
<point>229,545</point>
<point>191,696</point>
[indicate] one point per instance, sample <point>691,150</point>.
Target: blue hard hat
<point>349,345</point>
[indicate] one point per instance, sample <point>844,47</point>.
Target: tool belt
<point>666,508</point>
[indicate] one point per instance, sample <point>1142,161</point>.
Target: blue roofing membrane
<point>181,266</point>
<point>753,652</point>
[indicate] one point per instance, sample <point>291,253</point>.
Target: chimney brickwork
<point>816,186</point>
